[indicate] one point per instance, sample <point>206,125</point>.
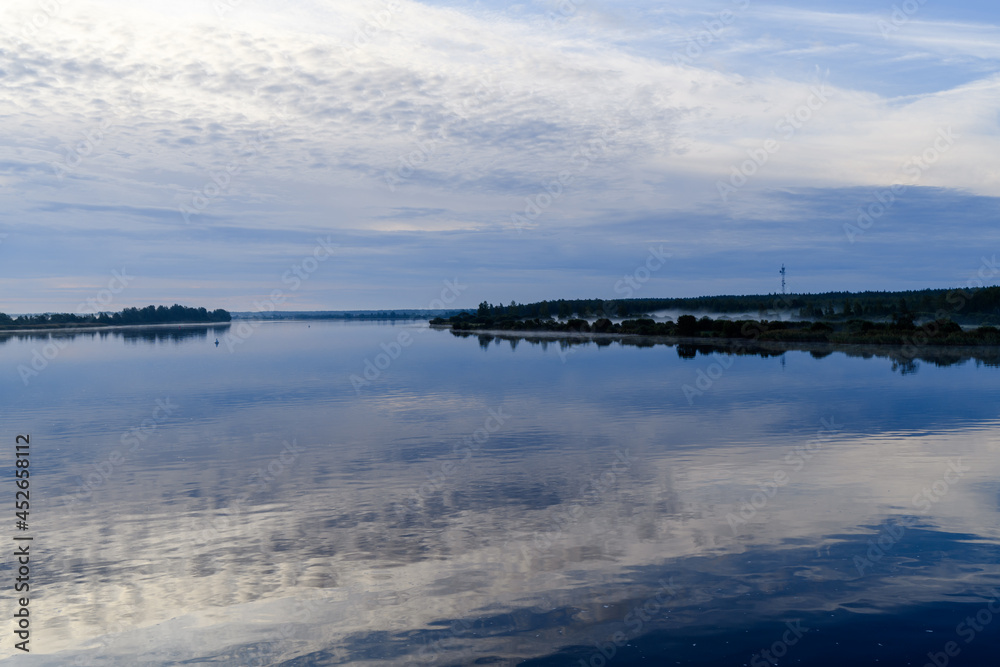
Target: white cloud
<point>461,111</point>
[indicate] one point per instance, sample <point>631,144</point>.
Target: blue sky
<point>529,151</point>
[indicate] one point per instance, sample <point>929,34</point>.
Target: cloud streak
<point>372,119</point>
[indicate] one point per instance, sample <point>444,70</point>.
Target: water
<point>498,501</point>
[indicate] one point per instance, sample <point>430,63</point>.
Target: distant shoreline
<point>717,341</point>
<point>82,328</point>
<point>901,331</point>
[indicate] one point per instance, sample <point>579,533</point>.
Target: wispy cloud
<point>370,119</point>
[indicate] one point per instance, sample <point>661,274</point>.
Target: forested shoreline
<point>175,314</point>
<point>970,305</point>
<point>901,330</point>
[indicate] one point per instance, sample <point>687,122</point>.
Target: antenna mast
<point>782,272</point>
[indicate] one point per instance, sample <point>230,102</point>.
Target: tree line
<point>901,330</point>
<point>981,305</point>
<point>175,314</point>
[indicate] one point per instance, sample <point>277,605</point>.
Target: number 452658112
<point>22,464</point>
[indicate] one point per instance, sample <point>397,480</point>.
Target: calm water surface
<point>499,502</point>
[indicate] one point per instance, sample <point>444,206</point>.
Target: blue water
<point>499,501</point>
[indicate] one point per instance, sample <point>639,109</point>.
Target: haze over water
<point>508,502</point>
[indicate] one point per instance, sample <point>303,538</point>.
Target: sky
<point>321,154</point>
